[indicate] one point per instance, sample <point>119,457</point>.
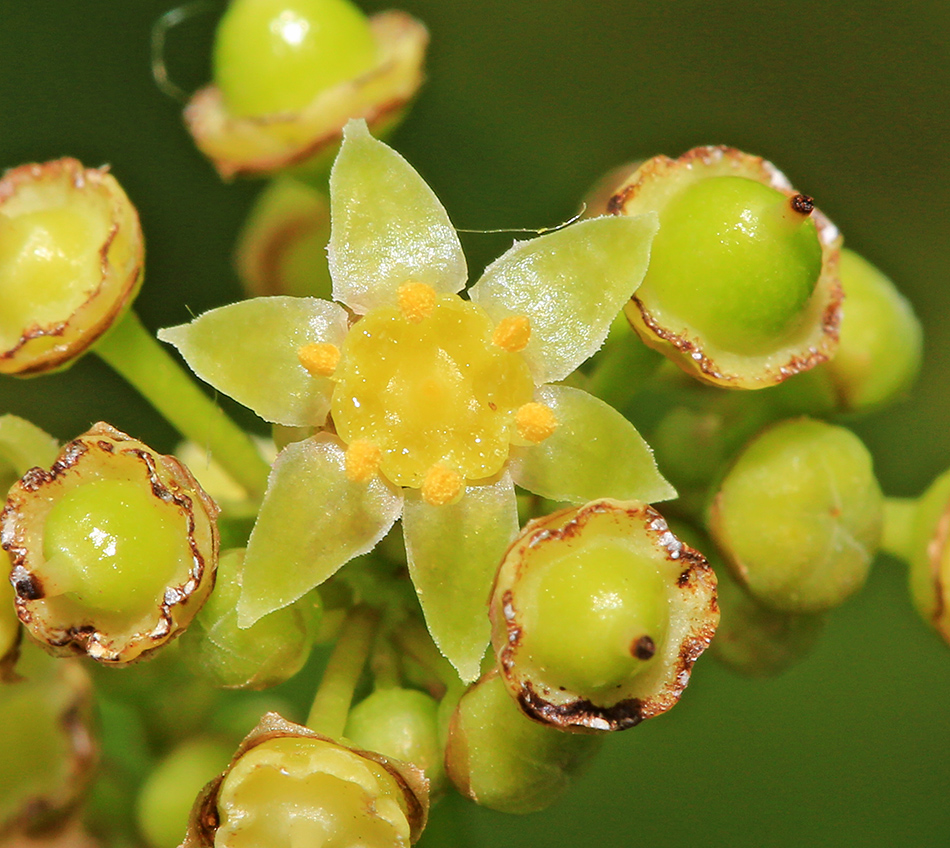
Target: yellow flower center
<point>428,384</point>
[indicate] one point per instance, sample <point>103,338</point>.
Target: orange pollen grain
<point>416,301</point>
<point>361,460</point>
<point>512,333</point>
<point>535,422</point>
<point>320,359</point>
<point>441,486</point>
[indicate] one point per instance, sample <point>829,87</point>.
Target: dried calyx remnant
<point>288,785</point>
<point>742,289</point>
<point>279,102</point>
<point>71,255</point>
<point>598,614</point>
<point>77,536</point>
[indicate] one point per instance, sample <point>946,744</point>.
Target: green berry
<point>70,262</point>
<point>741,289</point>
<point>113,550</point>
<point>268,652</point>
<point>167,796</point>
<point>505,761</point>
<point>400,723</point>
<point>288,786</point>
<point>598,614</point>
<point>799,515</point>
<point>274,56</point>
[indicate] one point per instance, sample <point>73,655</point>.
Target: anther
<point>416,301</point>
<point>535,422</point>
<point>512,333</point>
<point>361,460</point>
<point>441,486</point>
<point>320,359</point>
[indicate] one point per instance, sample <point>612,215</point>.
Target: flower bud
<point>47,751</point>
<point>113,550</point>
<point>598,614</point>
<point>798,516</point>
<point>167,796</point>
<point>71,257</point>
<point>289,76</point>
<point>403,724</point>
<point>742,288</point>
<point>283,245</point>
<point>289,786</point>
<point>505,761</point>
<point>268,652</point>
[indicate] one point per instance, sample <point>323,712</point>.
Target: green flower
<point>439,405</point>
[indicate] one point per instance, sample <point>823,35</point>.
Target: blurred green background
<point>527,104</point>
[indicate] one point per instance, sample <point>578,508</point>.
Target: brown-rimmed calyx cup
<point>113,550</point>
<point>288,785</point>
<point>306,139</point>
<point>598,615</point>
<point>742,289</point>
<point>71,259</point>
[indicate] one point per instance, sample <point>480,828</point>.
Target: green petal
<point>387,227</point>
<point>24,445</point>
<point>571,284</point>
<point>313,520</point>
<point>248,350</point>
<point>594,453</point>
<point>454,552</point>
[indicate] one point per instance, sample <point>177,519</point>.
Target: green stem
<point>332,702</point>
<point>137,355</point>
<point>413,638</point>
<point>899,516</point>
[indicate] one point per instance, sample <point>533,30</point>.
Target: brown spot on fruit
<point>643,648</point>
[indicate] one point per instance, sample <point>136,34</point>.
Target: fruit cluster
<point>454,517</point>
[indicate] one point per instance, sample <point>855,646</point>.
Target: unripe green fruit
<point>269,652</point>
<point>505,761</point>
<point>277,55</point>
<point>799,515</point>
<point>71,259</point>
<point>113,550</point>
<point>288,786</point>
<point>734,256</point>
<point>47,750</point>
<point>403,724</point>
<point>742,286</point>
<point>169,793</point>
<point>598,614</point>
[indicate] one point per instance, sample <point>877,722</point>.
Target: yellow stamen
<point>362,460</point>
<point>535,422</point>
<point>513,333</point>
<point>416,301</point>
<point>319,359</point>
<point>441,486</point>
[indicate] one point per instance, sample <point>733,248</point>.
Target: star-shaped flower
<point>432,406</point>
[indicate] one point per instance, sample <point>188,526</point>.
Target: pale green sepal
<point>24,445</point>
<point>312,521</point>
<point>248,351</point>
<point>571,284</point>
<point>454,552</point>
<point>594,453</point>
<point>386,226</point>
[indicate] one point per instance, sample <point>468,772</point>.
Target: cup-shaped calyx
<point>270,651</point>
<point>598,614</point>
<point>288,786</point>
<point>47,748</point>
<point>71,255</point>
<point>113,549</point>
<point>799,515</point>
<point>288,76</point>
<point>742,288</point>
<point>503,760</point>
